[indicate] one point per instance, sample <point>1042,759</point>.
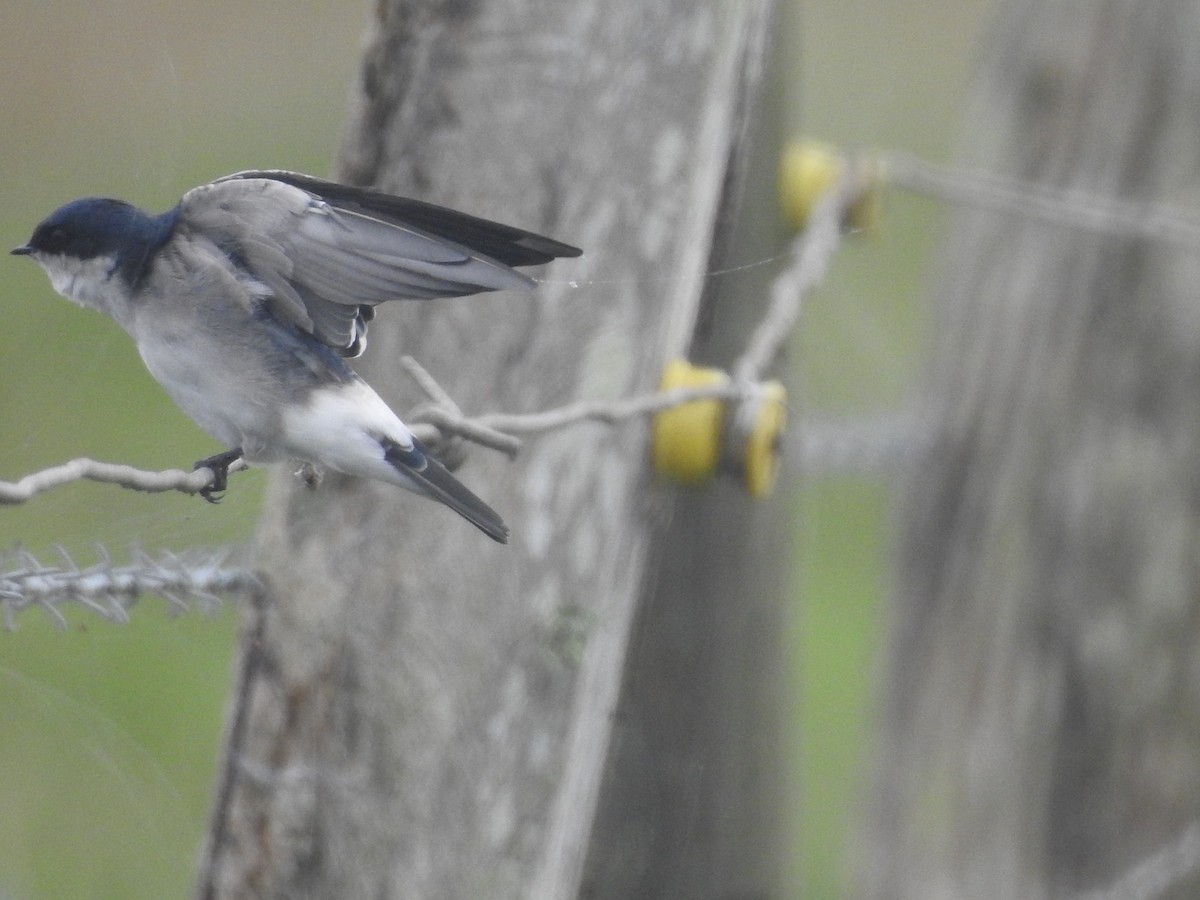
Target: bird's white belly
<point>340,426</point>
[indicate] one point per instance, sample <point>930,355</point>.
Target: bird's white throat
<point>87,282</point>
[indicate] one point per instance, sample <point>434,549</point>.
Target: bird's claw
<point>219,465</point>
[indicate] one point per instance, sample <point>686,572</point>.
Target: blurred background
<point>110,733</point>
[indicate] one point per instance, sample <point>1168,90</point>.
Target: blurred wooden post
<point>425,714</point>
<point>1042,732</point>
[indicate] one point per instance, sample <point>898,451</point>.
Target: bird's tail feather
<point>428,476</point>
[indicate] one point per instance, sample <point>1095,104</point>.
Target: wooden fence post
<point>1043,698</point>
<point>585,712</point>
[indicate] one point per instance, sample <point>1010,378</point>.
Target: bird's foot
<point>219,464</point>
<point>310,475</point>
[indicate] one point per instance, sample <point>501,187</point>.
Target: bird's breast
<point>225,395</point>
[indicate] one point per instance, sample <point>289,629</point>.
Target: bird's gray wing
<point>502,243</point>
<point>323,264</point>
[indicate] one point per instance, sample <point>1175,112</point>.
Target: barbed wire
<point>199,579</point>
<point>194,580</point>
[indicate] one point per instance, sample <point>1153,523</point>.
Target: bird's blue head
<point>94,228</point>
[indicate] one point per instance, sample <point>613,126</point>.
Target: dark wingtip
<point>552,248</point>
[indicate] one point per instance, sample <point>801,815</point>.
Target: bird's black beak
<point>23,250</point>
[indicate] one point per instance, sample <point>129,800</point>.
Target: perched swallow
<point>246,299</point>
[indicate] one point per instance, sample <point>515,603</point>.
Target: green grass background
<point>108,734</point>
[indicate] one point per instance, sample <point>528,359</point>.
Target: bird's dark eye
<point>51,239</point>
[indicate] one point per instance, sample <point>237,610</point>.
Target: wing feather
<point>327,253</point>
<point>503,243</point>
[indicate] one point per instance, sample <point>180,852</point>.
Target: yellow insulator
<point>692,441</point>
<point>761,459</point>
<point>686,439</point>
<point>807,169</point>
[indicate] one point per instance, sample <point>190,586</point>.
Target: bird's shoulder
<point>244,207</point>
